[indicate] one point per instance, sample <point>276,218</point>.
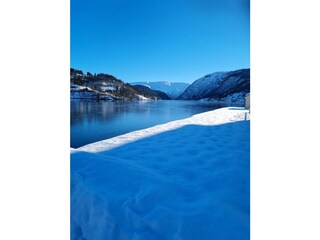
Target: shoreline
<point>210,118</point>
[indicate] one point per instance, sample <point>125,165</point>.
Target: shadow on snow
<point>192,182</point>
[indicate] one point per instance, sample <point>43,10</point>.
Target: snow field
<point>187,179</point>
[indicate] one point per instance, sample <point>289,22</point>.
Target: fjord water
<point>95,121</point>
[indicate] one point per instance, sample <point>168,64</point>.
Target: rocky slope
<point>220,86</point>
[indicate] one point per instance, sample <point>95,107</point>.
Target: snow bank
<point>109,88</point>
<point>187,179</point>
<point>76,87</point>
<point>140,97</point>
<point>219,116</point>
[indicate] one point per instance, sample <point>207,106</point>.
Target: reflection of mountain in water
<point>88,111</point>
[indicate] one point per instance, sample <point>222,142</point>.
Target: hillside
<point>148,92</point>
<point>220,86</point>
<point>102,87</point>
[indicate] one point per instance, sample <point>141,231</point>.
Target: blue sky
<point>160,40</point>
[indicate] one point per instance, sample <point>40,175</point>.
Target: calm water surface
<point>96,121</point>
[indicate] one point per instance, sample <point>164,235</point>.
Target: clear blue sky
<point>160,40</point>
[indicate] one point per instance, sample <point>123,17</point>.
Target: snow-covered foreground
<point>187,179</point>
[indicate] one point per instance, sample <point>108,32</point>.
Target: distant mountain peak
<point>172,89</point>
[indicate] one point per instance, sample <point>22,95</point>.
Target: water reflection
<point>95,121</point>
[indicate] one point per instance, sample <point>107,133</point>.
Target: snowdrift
<point>189,182</point>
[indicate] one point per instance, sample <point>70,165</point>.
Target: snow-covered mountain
<point>172,89</point>
<point>220,86</point>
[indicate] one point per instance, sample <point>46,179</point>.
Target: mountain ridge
<point>220,86</point>
<point>106,87</point>
<point>172,89</point>
<point>152,93</point>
